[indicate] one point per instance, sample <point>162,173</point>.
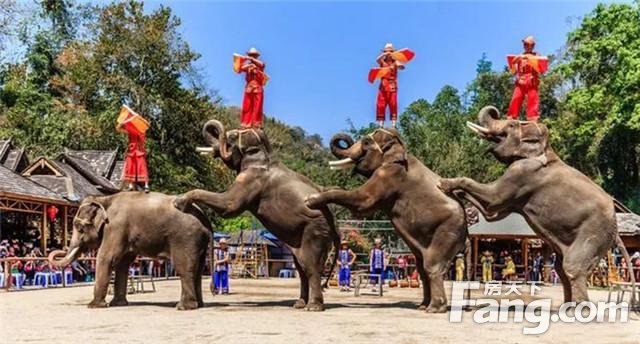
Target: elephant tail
<point>336,249</point>
<point>634,302</point>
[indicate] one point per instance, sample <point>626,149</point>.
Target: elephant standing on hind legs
<point>128,224</point>
<point>564,207</point>
<point>432,224</point>
<point>274,195</point>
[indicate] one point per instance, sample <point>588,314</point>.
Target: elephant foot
<point>436,309</point>
<point>185,306</point>
<point>300,304</point>
<point>315,307</point>
<point>98,304</point>
<point>200,304</point>
<point>118,303</point>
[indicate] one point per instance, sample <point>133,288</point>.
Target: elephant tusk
<point>341,162</point>
<point>477,128</point>
<point>204,150</point>
<point>341,167</point>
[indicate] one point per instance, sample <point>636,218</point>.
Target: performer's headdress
<point>388,48</point>
<point>253,51</point>
<point>223,241</point>
<point>529,40</point>
<point>344,242</point>
<point>377,241</point>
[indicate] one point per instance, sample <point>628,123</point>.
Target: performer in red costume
<point>388,90</point>
<point>251,116</point>
<point>527,67</point>
<point>135,164</point>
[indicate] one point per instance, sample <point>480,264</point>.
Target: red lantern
<point>52,212</point>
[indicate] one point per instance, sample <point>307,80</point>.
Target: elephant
<point>126,224</point>
<point>564,207</point>
<point>431,223</point>
<point>274,194</point>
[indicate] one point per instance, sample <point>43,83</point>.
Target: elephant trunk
<point>487,116</point>
<point>216,136</point>
<point>68,258</point>
<point>347,154</point>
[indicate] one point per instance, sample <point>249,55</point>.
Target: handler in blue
<point>221,268</point>
<point>376,263</point>
<point>346,257</point>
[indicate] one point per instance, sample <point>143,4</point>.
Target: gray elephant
<point>564,207</point>
<point>128,224</point>
<point>274,195</point>
<point>430,222</point>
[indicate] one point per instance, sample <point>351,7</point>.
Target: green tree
<point>598,129</point>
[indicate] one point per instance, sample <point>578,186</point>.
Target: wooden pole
<point>65,235</point>
<point>43,236</point>
<point>525,252</point>
<point>475,258</point>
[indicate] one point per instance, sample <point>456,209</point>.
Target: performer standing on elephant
<point>459,267</point>
<point>487,266</point>
<point>221,268</point>
<point>377,262</point>
<point>388,90</point>
<point>135,170</point>
<point>346,257</point>
<point>251,115</point>
<point>527,67</point>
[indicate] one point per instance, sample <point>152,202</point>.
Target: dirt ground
<point>259,311</point>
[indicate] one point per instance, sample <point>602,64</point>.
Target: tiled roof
<point>101,161</point>
<point>14,183</point>
<point>84,168</point>
<point>10,156</point>
<point>515,225</point>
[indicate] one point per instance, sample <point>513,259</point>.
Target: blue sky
<point>318,53</point>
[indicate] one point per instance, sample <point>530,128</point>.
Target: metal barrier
<point>16,281</point>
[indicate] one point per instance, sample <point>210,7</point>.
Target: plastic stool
<point>285,273</point>
<point>68,277</point>
<point>19,278</point>
<point>44,278</point>
<point>2,280</point>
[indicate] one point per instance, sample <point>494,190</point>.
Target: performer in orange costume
<point>388,90</point>
<point>527,81</point>
<point>251,116</point>
<point>135,163</point>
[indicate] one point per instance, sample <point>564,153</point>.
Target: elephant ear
<point>534,139</point>
<point>395,149</point>
<point>95,212</point>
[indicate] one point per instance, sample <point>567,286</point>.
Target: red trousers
<point>251,115</point>
<point>386,98</point>
<point>135,168</point>
<point>533,105</point>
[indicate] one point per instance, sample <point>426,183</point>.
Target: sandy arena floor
<point>260,312</point>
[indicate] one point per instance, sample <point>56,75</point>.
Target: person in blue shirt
<point>346,257</point>
<point>221,268</point>
<point>376,263</point>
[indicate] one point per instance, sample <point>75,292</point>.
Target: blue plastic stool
<point>68,277</point>
<point>19,278</point>
<point>2,280</point>
<point>57,277</point>
<point>44,279</point>
<point>285,273</point>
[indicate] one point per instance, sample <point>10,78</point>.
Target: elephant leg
<point>434,266</point>
<point>103,275</point>
<point>197,280</point>
<point>577,264</point>
<point>424,280</point>
<point>566,284</point>
<point>314,261</point>
<point>304,285</point>
<point>186,269</point>
<point>120,283</point>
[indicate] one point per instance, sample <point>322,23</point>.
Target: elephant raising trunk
<point>348,154</point>
<point>216,136</point>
